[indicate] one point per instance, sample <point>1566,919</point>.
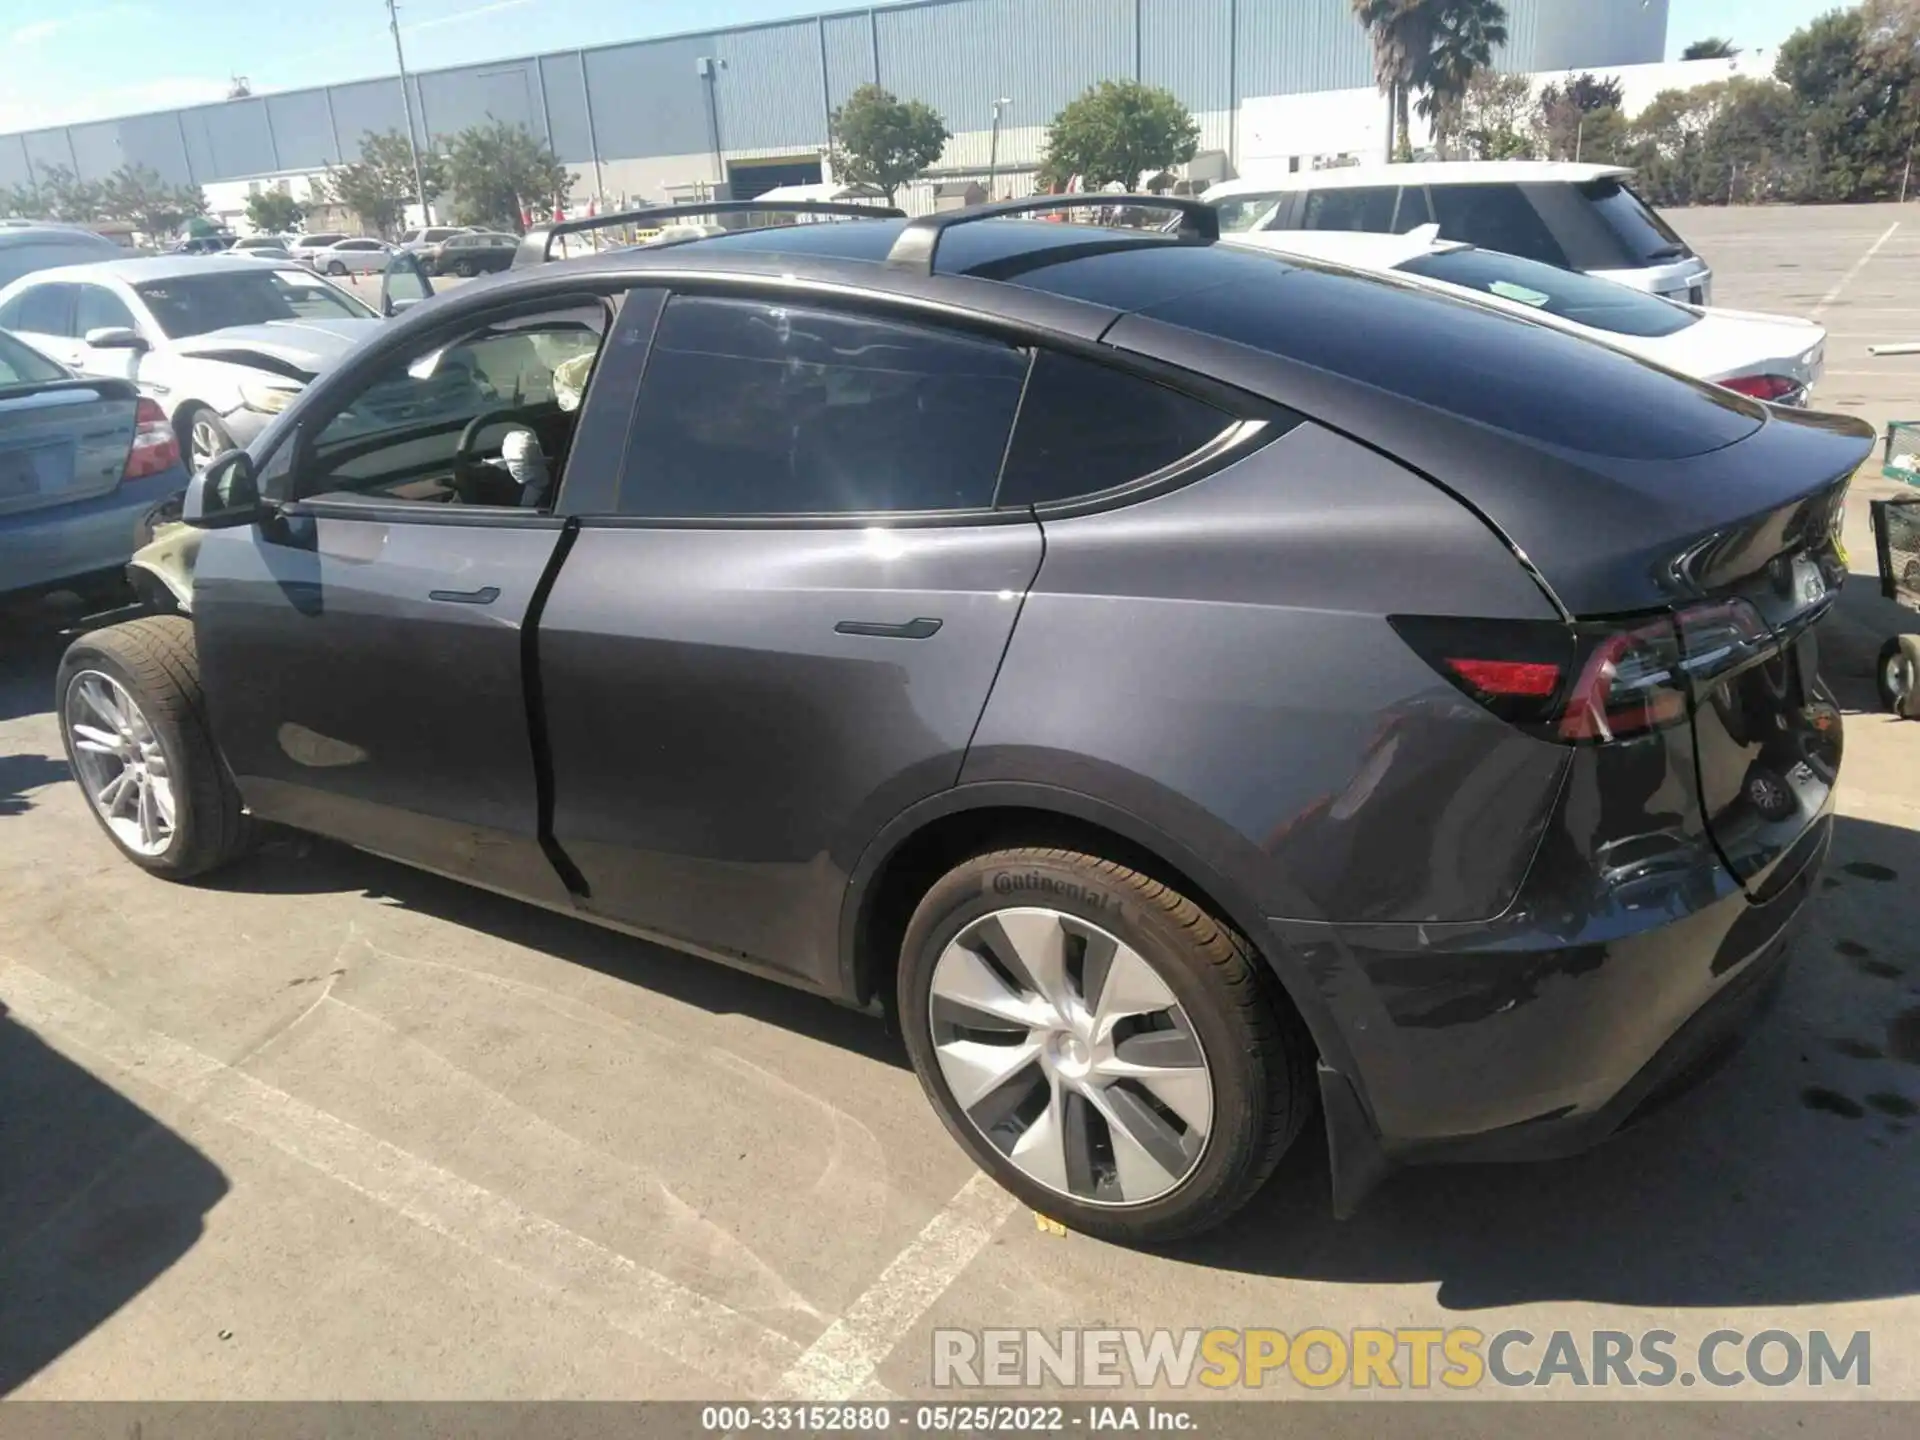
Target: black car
<point>1182,684</point>
<point>476,253</point>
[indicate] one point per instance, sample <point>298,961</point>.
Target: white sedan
<point>1769,357</point>
<point>359,255</point>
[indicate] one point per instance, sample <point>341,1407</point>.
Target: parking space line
<point>585,1275</point>
<point>840,1365</point>
<point>1845,280</point>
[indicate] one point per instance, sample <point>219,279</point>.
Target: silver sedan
<point>360,255</point>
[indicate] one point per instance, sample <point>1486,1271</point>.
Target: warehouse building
<point>1284,83</point>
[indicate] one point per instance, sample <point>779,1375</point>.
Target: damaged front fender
<point>161,571</point>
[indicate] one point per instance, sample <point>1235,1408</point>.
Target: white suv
<point>1576,217</point>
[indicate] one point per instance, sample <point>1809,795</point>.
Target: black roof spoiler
<point>919,242</point>
<point>536,246</point>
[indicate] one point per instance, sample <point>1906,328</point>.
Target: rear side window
<point>1636,224</point>
<point>43,310</point>
<point>1085,428</point>
<point>1583,299</point>
<point>1351,208</point>
<point>1495,217</point>
<point>1246,212</point>
<point>754,408</point>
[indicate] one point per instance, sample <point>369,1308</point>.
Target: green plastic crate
<point>1901,460</point>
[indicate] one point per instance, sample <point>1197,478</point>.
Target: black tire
<point>336,268</point>
<point>205,419</point>
<point>154,660</point>
<point>464,269</point>
<point>1258,1053</point>
<point>1897,676</point>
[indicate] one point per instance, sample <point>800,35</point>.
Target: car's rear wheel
<point>336,268</point>
<point>1106,1049</point>
<point>465,269</point>
<point>133,721</point>
<point>1898,674</point>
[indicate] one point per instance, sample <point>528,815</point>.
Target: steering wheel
<point>475,482</point>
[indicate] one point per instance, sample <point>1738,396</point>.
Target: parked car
<point>279,254</point>
<point>1576,217</point>
<point>432,235</point>
<point>26,248</point>
<point>264,241</point>
<point>85,464</point>
<point>1172,679</point>
<point>359,255</point>
<point>470,254</point>
<point>305,247</point>
<point>1770,357</point>
<point>223,343</point>
<point>203,245</point>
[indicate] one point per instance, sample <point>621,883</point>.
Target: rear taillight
<point>1591,682</point>
<point>154,446</point>
<point>1764,387</point>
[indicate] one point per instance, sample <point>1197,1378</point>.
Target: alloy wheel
<point>1068,1052</point>
<point>204,445</point>
<point>1897,679</point>
<point>120,762</point>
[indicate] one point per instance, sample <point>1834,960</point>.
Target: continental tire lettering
<point>1013,882</point>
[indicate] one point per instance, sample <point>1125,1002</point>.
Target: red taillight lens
<point>154,447</point>
<point>1521,679</point>
<point>1764,387</point>
<point>1631,682</point>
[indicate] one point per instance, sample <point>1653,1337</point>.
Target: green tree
<point>1711,48</point>
<point>1496,117</point>
<point>1401,32</point>
<point>883,141</point>
<point>1581,120</point>
<point>137,195</point>
<point>275,211</point>
<point>379,186</point>
<point>1466,33</point>
<point>499,172</point>
<point>1856,74</point>
<point>1118,130</point>
<point>58,194</point>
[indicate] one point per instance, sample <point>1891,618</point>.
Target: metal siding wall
<point>367,106</point>
<point>959,55</point>
<point>13,160</point>
<point>480,95</point>
<point>301,129</point>
<point>849,55</point>
<point>154,141</point>
<point>1595,37</point>
<point>228,141</point>
<point>1523,38</point>
<point>97,146</point>
<point>648,100</point>
<point>47,147</point>
<point>1186,46</point>
<point>1290,47</point>
<point>770,89</point>
<point>572,137</point>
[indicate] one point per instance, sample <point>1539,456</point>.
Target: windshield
<point>1245,212</point>
<point>22,365</point>
<point>1636,224</point>
<point>1602,304</point>
<point>195,304</point>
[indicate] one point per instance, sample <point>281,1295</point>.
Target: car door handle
<point>919,629</point>
<point>486,595</point>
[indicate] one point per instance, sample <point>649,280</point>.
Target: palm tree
<point>1402,35</point>
<point>1465,35</point>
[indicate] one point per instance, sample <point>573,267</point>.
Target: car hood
<point>298,349</point>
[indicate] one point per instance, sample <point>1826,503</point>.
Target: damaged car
<point>222,344</point>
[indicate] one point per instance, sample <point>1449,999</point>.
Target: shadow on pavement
<point>20,774</point>
<point>1747,1192</point>
<point>97,1199</point>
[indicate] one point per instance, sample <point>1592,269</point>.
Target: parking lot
<point>332,1128</point>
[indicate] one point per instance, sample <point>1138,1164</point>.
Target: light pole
<point>406,101</point>
<point>993,144</point>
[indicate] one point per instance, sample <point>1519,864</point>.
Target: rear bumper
<point>1525,1046</point>
<point>46,547</point>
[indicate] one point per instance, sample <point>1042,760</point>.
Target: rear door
<point>779,627</point>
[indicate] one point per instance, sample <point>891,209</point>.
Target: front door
<point>364,651</point>
<point>784,627</point>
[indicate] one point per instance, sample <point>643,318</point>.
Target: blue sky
<point>69,60</point>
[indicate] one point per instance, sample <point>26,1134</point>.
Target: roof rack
<point>920,240</point>
<point>536,246</point>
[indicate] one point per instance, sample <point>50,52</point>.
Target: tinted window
<point>1246,212</point>
<point>1351,208</point>
<point>194,304</point>
<point>101,309</point>
<point>1566,293</point>
<point>21,365</point>
<point>1637,225</point>
<point>751,408</point>
<point>1414,210</point>
<point>24,259</point>
<point>1085,428</point>
<point>1469,361</point>
<point>43,310</point>
<point>1495,217</point>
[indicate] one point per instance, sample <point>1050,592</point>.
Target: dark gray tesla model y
<point>1182,684</point>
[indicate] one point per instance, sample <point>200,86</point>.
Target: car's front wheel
<point>133,721</point>
<point>336,268</point>
<point>1106,1049</point>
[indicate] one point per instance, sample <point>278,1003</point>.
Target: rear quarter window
<point>1353,207</point>
<point>1495,217</point>
<point>1466,360</point>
